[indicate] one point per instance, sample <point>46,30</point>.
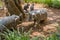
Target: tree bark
<point>15,7</point>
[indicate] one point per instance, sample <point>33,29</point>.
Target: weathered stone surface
<point>26,6</point>
<point>38,15</point>
<point>9,22</point>
<point>32,7</point>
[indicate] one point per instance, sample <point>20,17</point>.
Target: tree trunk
<point>15,7</point>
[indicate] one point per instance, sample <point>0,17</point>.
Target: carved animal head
<point>15,17</point>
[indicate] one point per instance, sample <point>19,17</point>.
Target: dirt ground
<point>52,20</point>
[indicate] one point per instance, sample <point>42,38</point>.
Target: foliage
<point>52,37</point>
<point>50,3</point>
<point>56,4</point>
<point>16,35</point>
<point>34,1</point>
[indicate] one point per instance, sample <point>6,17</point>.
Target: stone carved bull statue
<point>9,22</point>
<point>38,15</point>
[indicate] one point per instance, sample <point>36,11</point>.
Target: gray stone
<point>6,21</point>
<point>38,15</point>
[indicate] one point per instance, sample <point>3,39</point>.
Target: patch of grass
<point>16,35</point>
<point>52,37</point>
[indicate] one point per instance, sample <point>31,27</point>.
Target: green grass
<point>16,35</point>
<point>33,1</point>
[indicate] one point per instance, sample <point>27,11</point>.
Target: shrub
<point>33,1</point>
<point>50,3</point>
<point>56,4</point>
<point>16,35</point>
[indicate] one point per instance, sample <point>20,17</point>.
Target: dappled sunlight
<point>49,18</point>
<point>50,26</point>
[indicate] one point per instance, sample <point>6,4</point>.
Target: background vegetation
<point>50,3</point>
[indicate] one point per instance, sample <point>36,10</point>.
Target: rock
<point>26,6</point>
<point>7,21</point>
<point>38,15</point>
<point>32,7</point>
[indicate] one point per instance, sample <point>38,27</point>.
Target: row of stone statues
<point>36,15</point>
<point>26,6</point>
<point>17,12</point>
